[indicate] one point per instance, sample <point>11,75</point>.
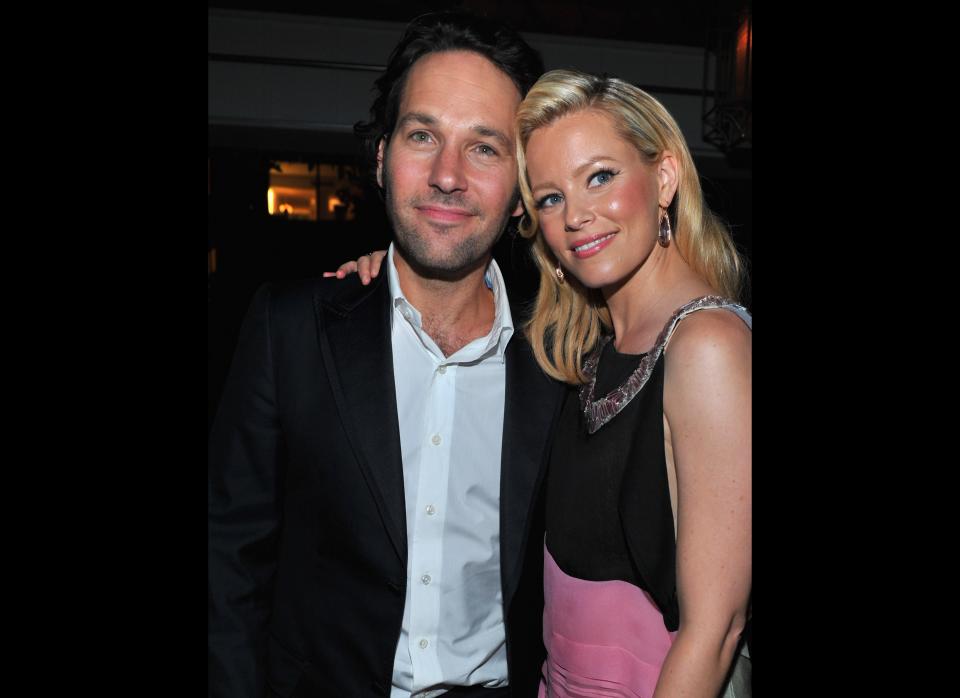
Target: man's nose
<point>447,173</point>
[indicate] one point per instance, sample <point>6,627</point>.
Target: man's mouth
<point>445,214</point>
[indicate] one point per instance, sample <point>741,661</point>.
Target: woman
<point>647,551</point>
<point>647,554</point>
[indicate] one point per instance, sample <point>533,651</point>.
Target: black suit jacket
<point>307,525</point>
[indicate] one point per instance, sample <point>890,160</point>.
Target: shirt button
<point>423,644</point>
<point>442,370</point>
<point>431,510</point>
<point>436,439</point>
<point>426,579</point>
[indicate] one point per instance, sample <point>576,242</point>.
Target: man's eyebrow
<point>496,134</point>
<point>416,117</point>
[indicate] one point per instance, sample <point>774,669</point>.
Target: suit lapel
<point>356,348</point>
<point>531,403</point>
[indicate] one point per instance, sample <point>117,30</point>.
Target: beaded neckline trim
<point>599,412</point>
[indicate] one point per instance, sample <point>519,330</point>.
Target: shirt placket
<point>431,510</point>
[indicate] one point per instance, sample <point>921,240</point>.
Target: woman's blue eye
<point>601,177</point>
<point>549,200</point>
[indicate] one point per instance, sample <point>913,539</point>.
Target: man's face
<point>448,166</point>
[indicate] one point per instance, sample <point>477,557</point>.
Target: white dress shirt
<point>450,411</point>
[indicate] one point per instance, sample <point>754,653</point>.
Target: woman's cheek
<point>554,238</point>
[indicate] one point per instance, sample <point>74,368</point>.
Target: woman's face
<point>597,198</point>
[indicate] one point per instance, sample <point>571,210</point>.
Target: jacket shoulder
<point>339,295</point>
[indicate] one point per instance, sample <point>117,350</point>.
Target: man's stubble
<point>470,252</point>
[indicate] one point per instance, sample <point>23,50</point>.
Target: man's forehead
<point>453,79</point>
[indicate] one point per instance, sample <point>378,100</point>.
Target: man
<point>376,461</point>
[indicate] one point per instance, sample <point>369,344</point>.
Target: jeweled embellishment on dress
<point>599,412</point>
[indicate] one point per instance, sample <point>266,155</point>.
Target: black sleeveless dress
<point>610,548</point>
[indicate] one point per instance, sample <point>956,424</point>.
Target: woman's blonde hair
<point>568,318</point>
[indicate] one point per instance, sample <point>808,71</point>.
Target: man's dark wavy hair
<point>444,31</point>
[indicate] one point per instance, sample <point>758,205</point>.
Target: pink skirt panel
<point>602,638</point>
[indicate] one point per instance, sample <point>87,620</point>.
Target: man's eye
<point>486,150</point>
<point>420,137</point>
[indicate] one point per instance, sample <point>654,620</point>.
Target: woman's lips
<point>587,247</point>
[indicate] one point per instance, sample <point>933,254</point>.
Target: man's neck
<point>453,311</point>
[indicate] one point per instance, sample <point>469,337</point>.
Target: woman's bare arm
<point>707,403</point>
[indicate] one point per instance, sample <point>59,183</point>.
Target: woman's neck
<point>641,306</point>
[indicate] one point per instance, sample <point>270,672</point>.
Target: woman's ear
<point>668,178</point>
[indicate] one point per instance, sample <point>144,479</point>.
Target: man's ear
<point>380,145</point>
<point>518,211</point>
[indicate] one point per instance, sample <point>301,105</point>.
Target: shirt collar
<point>495,342</point>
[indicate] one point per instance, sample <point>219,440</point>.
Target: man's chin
<point>444,269</point>
<point>442,266</point>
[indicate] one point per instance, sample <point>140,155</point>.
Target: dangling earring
<point>559,275</point>
<point>663,237</point>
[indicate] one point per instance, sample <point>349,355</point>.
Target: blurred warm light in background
<point>296,187</point>
<point>744,51</point>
